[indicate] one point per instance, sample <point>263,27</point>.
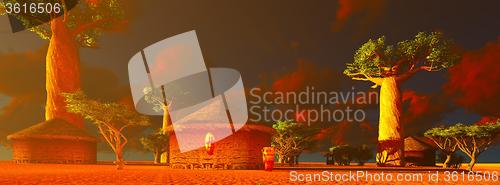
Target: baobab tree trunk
<point>390,140</point>
<point>62,72</point>
<point>165,157</point>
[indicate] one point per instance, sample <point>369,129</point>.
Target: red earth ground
<point>142,174</point>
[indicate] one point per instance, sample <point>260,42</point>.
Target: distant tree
<point>363,154</point>
<point>290,140</point>
<point>342,154</point>
<point>474,139</point>
<point>158,99</point>
<point>110,118</point>
<point>157,143</point>
<point>79,27</point>
<point>388,66</point>
<point>444,138</point>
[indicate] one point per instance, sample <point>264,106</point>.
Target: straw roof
<point>53,129</point>
<point>413,143</point>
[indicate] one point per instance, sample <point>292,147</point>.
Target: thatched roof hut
<point>419,151</point>
<point>53,141</point>
<point>241,150</point>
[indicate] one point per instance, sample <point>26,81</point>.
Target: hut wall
<point>241,150</point>
<point>54,151</point>
<point>421,158</point>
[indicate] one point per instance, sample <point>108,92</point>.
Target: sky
<point>288,41</point>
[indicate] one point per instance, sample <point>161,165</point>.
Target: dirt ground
<point>135,174</point>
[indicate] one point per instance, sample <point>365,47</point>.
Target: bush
<point>344,154</point>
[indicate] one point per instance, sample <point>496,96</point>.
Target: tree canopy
<point>426,51</point>
<point>110,118</point>
<point>291,139</point>
<point>156,142</point>
<point>470,139</point>
<point>86,20</point>
<point>115,114</point>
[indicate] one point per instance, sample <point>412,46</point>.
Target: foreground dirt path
<point>107,174</point>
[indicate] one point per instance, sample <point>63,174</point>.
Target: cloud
<point>487,120</point>
<point>474,82</point>
<point>307,74</point>
<point>347,133</point>
<point>422,111</point>
<point>22,80</point>
<point>364,10</point>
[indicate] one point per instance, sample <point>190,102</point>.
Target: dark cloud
<point>307,73</point>
<point>474,82</point>
<point>364,11</point>
<point>422,111</point>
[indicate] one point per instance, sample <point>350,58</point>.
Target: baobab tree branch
<point>65,9</point>
<point>365,77</point>
<point>414,70</point>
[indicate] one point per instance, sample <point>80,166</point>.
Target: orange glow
<point>209,143</point>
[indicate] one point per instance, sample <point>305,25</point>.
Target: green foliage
<point>86,20</point>
<point>110,118</point>
<point>115,114</point>
<point>156,142</point>
<point>427,51</point>
<point>344,154</point>
<point>470,139</point>
<point>154,97</point>
<point>90,19</point>
<point>291,138</point>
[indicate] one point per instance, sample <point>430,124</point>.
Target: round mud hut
<point>241,150</point>
<point>53,141</point>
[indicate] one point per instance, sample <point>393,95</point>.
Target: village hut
<point>53,141</point>
<point>419,151</point>
<point>241,150</point>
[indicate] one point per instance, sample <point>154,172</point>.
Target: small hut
<point>53,141</point>
<point>419,151</point>
<point>242,150</point>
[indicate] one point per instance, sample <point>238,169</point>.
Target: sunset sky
<point>303,43</point>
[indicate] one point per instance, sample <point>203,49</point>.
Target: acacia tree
<point>158,99</point>
<point>388,66</point>
<point>110,118</point>
<point>474,139</point>
<point>75,28</point>
<point>444,139</point>
<point>290,140</point>
<point>157,143</point>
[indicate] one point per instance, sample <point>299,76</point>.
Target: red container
<point>268,158</point>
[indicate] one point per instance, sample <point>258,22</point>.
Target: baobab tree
<point>157,98</point>
<point>157,143</point>
<point>67,31</point>
<point>388,66</point>
<point>111,120</point>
